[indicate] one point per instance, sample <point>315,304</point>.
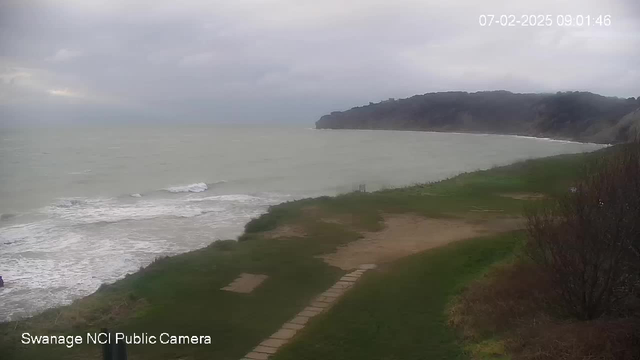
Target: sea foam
<point>110,210</point>
<point>197,187</point>
<point>80,236</point>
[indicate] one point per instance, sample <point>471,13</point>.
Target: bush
<point>588,241</point>
<point>511,313</point>
<point>508,296</point>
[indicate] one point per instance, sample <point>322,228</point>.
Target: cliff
<point>580,116</point>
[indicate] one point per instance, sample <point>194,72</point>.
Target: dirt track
<point>404,235</point>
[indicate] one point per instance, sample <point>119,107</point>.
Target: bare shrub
<point>601,339</point>
<point>588,241</point>
<point>510,312</point>
<point>511,295</point>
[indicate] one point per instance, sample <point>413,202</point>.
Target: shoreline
<point>562,140</point>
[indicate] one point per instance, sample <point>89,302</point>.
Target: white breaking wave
<point>136,195</point>
<point>73,246</point>
<point>197,187</point>
<point>108,210</point>
<point>80,172</point>
<point>237,197</point>
<point>70,202</point>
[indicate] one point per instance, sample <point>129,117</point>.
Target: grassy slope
<point>180,294</point>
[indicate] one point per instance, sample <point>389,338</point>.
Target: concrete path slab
<point>245,283</point>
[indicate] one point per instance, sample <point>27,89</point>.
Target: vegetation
<point>514,313</point>
<point>571,115</point>
<point>181,294</point>
<point>588,240</point>
<point>576,294</point>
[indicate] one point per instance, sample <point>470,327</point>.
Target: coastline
<point>298,234</point>
<point>558,139</point>
<point>122,206</point>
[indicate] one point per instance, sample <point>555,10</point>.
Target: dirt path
<point>408,234</point>
<point>525,196</point>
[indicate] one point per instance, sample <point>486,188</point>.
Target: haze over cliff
<point>580,116</point>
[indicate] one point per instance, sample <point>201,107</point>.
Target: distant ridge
<point>579,116</point>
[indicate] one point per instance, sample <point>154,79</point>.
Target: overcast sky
<point>291,61</point>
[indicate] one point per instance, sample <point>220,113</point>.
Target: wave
<point>96,211</point>
<point>7,216</point>
<point>70,202</point>
<point>197,187</point>
<point>191,188</point>
<point>236,198</point>
<point>80,172</point>
<point>68,215</point>
<point>217,182</point>
<point>80,235</point>
<point>103,210</point>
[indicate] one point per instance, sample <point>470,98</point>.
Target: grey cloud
<point>64,55</point>
<point>294,60</point>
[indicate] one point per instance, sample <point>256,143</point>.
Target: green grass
<point>489,349</point>
<point>399,312</point>
<point>181,294</point>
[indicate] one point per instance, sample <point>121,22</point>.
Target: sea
<point>83,206</point>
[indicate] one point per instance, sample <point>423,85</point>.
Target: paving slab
<point>245,283</point>
<point>257,356</point>
<point>341,285</point>
<point>273,343</point>
<point>293,326</point>
<point>299,320</point>
<point>327,299</point>
<point>320,304</point>
<point>265,349</point>
<point>284,334</point>
<point>308,313</point>
<point>313,308</point>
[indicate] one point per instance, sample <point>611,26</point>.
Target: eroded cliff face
<point>579,116</point>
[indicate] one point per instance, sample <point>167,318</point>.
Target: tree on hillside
<point>588,242</point>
